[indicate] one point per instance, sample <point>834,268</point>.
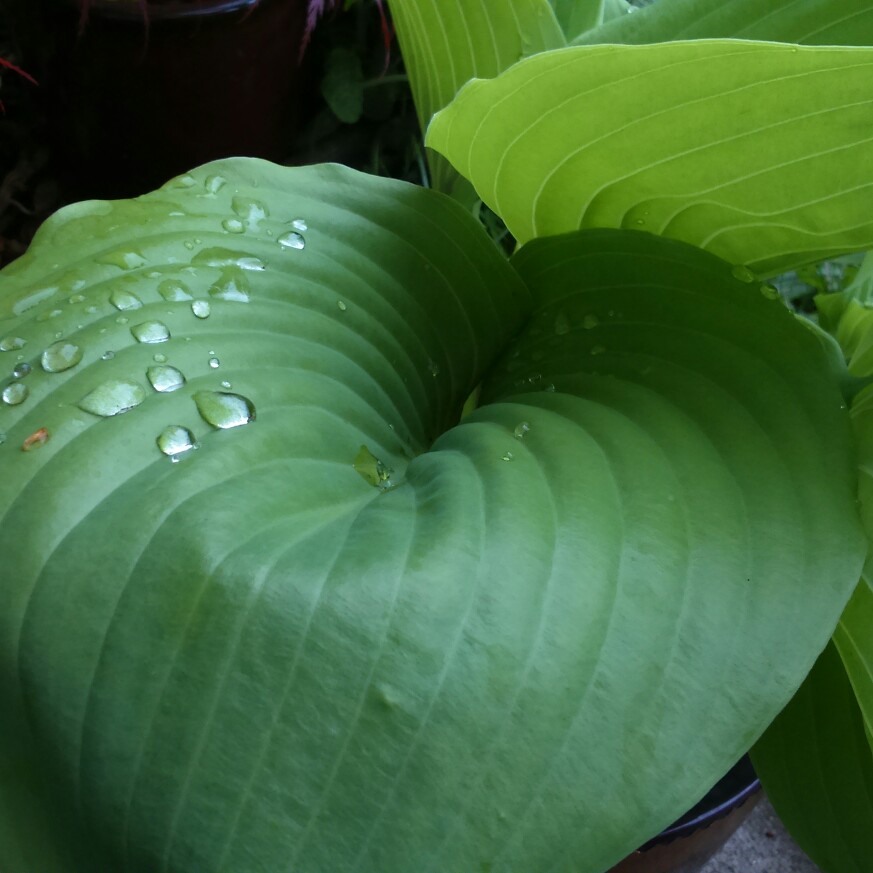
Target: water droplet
<point>433,368</point>
<point>122,319</point>
<point>113,397</point>
<point>160,358</point>
<point>224,410</point>
<point>45,316</point>
<point>341,306</point>
<point>36,440</point>
<point>291,240</point>
<point>507,457</point>
<point>12,343</point>
<point>174,291</point>
<point>175,440</point>
<point>214,363</point>
<point>226,384</point>
<point>77,298</point>
<point>597,350</point>
<point>121,259</point>
<point>550,388</point>
<point>165,379</point>
<point>200,308</point>
<point>562,324</point>
<point>221,257</point>
<point>189,244</point>
<point>252,211</point>
<point>214,184</point>
<point>299,224</point>
<point>639,222</point>
<point>232,285</point>
<point>33,299</point>
<point>15,393</point>
<point>184,181</point>
<point>21,370</point>
<point>372,470</point>
<point>150,332</point>
<point>744,274</point>
<point>233,225</point>
<point>125,300</point>
<point>769,292</point>
<point>521,430</point>
<point>107,356</point>
<point>61,356</point>
<point>590,321</point>
<point>91,310</point>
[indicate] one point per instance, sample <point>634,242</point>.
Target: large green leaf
<point>579,16</point>
<point>446,43</point>
<point>816,766</point>
<point>761,153</point>
<point>854,641</point>
<point>809,22</point>
<point>492,644</point>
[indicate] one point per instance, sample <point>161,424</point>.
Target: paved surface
<point>761,845</point>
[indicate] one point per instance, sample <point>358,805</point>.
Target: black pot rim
<point>175,9</point>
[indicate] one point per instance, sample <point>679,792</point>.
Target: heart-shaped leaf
<point>344,632</point>
<point>758,152</point>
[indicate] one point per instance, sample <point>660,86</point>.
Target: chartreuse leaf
<point>809,22</point>
<point>816,766</point>
<point>341,633</point>
<point>447,42</point>
<point>758,152</point>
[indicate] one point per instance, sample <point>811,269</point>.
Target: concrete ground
<point>761,845</point>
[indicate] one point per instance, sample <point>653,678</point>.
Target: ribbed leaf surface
<point>350,634</point>
<point>760,153</point>
<point>809,22</point>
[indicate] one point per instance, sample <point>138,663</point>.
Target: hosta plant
<point>270,602</point>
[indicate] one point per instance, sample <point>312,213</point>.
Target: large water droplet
<point>165,379</point>
<point>252,211</point>
<point>184,181</point>
<point>21,370</point>
<point>221,257</point>
<point>175,440</point>
<point>214,184</point>
<point>590,321</point>
<point>521,430</point>
<point>233,225</point>
<point>113,397</point>
<point>299,224</point>
<point>562,324</point>
<point>150,332</point>
<point>372,470</point>
<point>743,273</point>
<point>214,363</point>
<point>223,410</point>
<point>122,259</point>
<point>200,308</point>
<point>174,291</point>
<point>291,240</point>
<point>15,393</point>
<point>61,356</point>
<point>125,300</point>
<point>232,285</point>
<point>12,343</point>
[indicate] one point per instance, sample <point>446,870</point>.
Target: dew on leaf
<point>15,393</point>
<point>175,440</point>
<point>36,440</point>
<point>34,299</point>
<point>521,430</point>
<point>150,332</point>
<point>507,456</point>
<point>341,306</point>
<point>223,410</point>
<point>174,291</point>
<point>200,308</point>
<point>743,273</point>
<point>165,379</point>
<point>769,292</point>
<point>77,298</point>
<point>124,260</point>
<point>291,240</point>
<point>113,397</point>
<point>124,300</point>
<point>184,181</point>
<point>21,370</point>
<point>214,184</point>
<point>233,225</point>
<point>226,384</point>
<point>232,285</point>
<point>221,257</point>
<point>61,356</point>
<point>214,363</point>
<point>249,209</point>
<point>590,321</point>
<point>299,224</point>
<point>12,343</point>
<point>433,368</point>
<point>372,470</point>
<point>159,358</point>
<point>107,356</point>
<point>46,316</point>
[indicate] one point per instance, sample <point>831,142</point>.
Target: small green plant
<point>271,603</point>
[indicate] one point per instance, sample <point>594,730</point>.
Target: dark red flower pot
<point>690,842</point>
<point>142,97</point>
